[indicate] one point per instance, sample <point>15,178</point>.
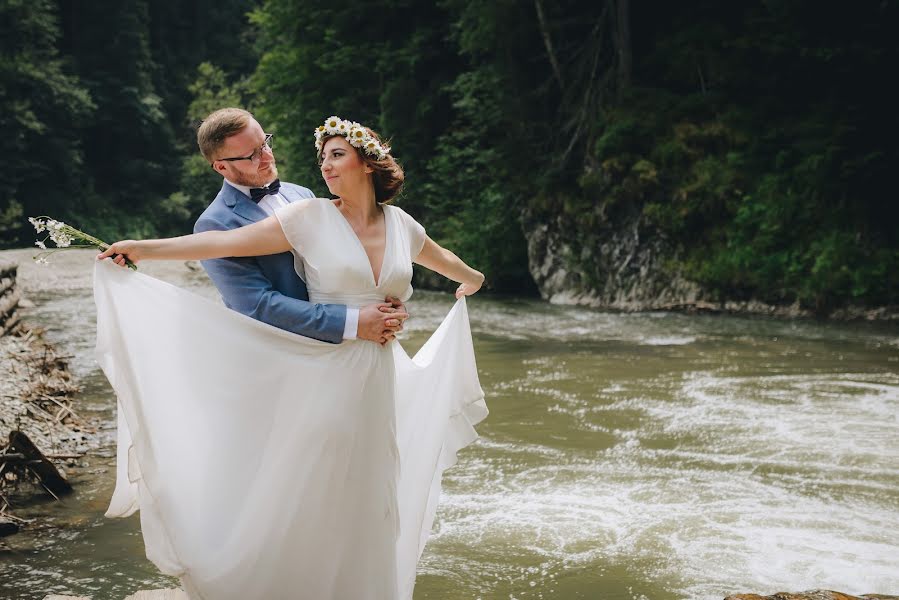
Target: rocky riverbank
<point>36,389</point>
<point>40,431</point>
<point>624,265</point>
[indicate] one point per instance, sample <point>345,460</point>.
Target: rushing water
<point>626,456</point>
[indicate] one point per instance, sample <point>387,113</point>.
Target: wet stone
<point>812,595</point>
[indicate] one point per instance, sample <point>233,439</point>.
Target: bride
<point>270,465</point>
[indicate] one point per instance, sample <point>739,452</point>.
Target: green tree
<point>385,66</point>
<point>41,100</point>
<point>773,140</point>
<point>130,147</point>
<point>198,183</point>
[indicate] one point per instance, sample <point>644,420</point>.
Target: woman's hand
<point>469,288</point>
<point>126,249</point>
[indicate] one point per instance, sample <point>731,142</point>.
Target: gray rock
<point>620,267</point>
<point>812,595</point>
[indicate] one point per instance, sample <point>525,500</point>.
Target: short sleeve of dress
<point>415,233</point>
<point>296,220</point>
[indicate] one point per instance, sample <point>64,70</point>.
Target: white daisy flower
<point>354,132</point>
<point>40,245</point>
<point>332,124</point>
<point>61,239</point>
<point>357,136</point>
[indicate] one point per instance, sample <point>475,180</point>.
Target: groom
<point>267,288</point>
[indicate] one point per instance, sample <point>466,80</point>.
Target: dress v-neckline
<point>371,269</point>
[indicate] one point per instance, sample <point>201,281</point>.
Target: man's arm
<point>247,290</point>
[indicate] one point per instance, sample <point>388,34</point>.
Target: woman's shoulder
<point>323,204</point>
<point>313,200</point>
<point>399,212</point>
<point>302,209</point>
<point>302,204</point>
<point>415,230</point>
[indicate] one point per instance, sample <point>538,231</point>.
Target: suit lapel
<point>241,205</point>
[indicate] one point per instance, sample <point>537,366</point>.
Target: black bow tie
<point>257,194</point>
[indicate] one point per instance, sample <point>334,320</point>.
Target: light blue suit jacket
<point>266,288</point>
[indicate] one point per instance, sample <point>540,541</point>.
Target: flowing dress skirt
<point>269,465</point>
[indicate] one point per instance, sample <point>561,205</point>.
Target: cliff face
<point>621,262</point>
<point>614,263</point>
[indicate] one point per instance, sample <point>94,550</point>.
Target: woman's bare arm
<point>258,239</point>
<point>441,260</point>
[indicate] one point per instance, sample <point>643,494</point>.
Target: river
<point>626,456</point>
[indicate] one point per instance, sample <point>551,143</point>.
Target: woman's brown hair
<point>387,175</point>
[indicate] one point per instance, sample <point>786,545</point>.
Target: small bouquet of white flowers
<point>63,235</point>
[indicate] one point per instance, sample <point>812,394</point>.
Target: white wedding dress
<point>269,465</point>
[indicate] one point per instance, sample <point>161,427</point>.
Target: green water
<point>626,456</point>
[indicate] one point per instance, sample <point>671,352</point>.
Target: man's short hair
<point>218,127</point>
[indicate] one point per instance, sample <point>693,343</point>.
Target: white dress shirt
<point>268,204</point>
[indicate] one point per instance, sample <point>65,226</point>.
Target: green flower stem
<point>77,234</point>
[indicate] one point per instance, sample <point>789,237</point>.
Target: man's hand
<point>396,304</point>
<point>396,308</point>
<point>380,322</point>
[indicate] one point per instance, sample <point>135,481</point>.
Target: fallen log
<point>44,470</point>
<point>14,458</point>
<point>7,526</point>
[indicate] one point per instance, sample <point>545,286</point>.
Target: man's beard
<point>257,179</point>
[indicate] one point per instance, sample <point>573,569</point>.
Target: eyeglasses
<point>257,153</point>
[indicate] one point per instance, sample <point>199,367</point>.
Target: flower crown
<point>357,135</point>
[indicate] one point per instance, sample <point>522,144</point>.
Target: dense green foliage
<point>39,101</point>
<point>757,139</point>
<point>773,171</point>
<point>94,99</point>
